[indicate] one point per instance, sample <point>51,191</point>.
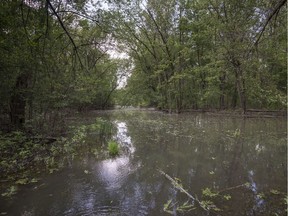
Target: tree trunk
<point>241,89</point>
<point>222,96</point>
<point>18,102</point>
<point>234,98</point>
<point>240,81</point>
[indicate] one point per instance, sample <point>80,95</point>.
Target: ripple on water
<point>113,172</point>
<point>101,210</point>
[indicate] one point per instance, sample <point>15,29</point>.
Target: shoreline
<point>250,113</point>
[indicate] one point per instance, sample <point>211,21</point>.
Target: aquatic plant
<point>113,148</point>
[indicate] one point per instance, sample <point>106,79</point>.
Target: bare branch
<point>140,41</point>
<point>273,13</point>
<point>65,30</point>
<point>162,38</point>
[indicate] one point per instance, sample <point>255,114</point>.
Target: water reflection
<point>122,137</point>
<point>253,186</point>
<point>177,144</point>
<point>113,172</point>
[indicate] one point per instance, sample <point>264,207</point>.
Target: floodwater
<point>230,165</point>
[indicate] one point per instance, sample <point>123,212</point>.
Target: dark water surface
<point>242,162</point>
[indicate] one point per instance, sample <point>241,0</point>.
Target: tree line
<point>183,54</point>
<point>220,54</point>
<point>53,55</point>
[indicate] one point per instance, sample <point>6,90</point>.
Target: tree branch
<point>65,30</point>
<point>273,13</point>
<point>79,14</point>
<point>140,41</point>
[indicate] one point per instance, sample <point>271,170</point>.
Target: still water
<point>230,165</point>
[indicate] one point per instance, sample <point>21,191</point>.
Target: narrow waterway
<point>233,166</point>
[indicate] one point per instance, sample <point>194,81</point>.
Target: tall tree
<point>203,54</point>
<point>52,55</point>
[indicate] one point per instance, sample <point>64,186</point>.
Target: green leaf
<point>22,181</point>
<point>261,195</point>
<point>227,197</point>
<point>275,192</point>
<point>10,191</point>
<point>34,180</point>
<point>209,193</point>
<point>167,206</point>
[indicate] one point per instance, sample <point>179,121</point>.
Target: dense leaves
<point>204,54</point>
<point>182,55</point>
<point>52,57</point>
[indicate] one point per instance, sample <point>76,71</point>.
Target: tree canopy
<point>205,54</point>
<point>181,54</point>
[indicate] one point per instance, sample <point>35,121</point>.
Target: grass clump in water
<point>113,148</point>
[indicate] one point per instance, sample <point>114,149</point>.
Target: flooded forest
<point>143,107</point>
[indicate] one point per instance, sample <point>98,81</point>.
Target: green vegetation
<point>10,191</point>
<point>113,148</point>
<point>184,208</point>
<point>215,201</point>
<point>181,55</point>
<point>208,193</point>
<point>44,69</point>
<point>24,156</point>
<point>19,152</point>
<point>204,54</point>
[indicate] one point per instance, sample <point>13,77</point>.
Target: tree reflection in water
<point>114,171</point>
<point>202,151</point>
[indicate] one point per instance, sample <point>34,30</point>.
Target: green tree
<point>43,67</point>
<point>189,54</point>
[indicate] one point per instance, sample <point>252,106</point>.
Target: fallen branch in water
<point>179,187</point>
<point>235,187</point>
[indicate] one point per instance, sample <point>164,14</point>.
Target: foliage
<point>20,152</point>
<point>44,70</point>
<point>227,197</point>
<point>210,198</point>
<point>183,208</point>
<point>208,193</point>
<point>113,148</point>
<point>167,206</point>
<point>275,192</point>
<point>10,191</point>
<point>202,54</point>
<point>182,55</point>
